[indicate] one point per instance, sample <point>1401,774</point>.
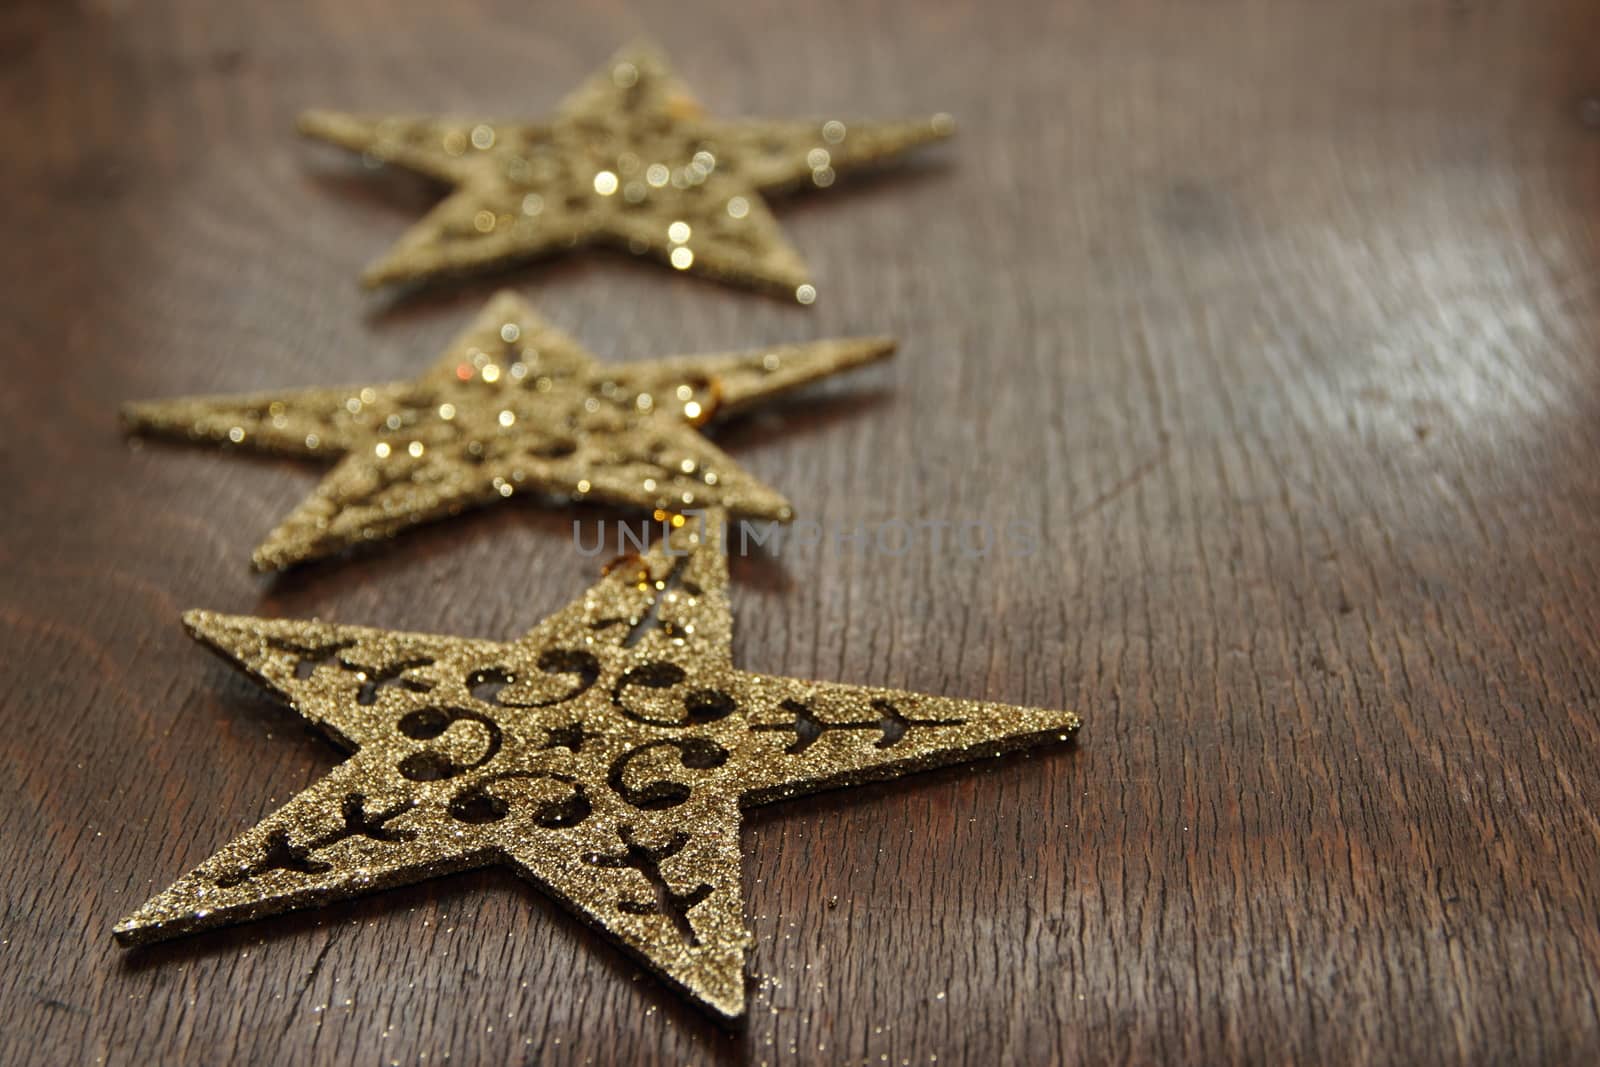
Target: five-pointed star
<point>606,756</point>
<point>628,160</point>
<point>514,405</point>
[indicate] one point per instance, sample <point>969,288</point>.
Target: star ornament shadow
<point>628,160</point>
<point>513,407</point>
<point>606,756</point>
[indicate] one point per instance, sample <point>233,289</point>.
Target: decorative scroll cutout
<point>694,753</point>
<point>651,619</point>
<point>697,706</point>
<point>570,736</point>
<point>481,804</point>
<point>374,679</point>
<point>488,684</point>
<point>371,679</point>
<point>282,855</point>
<point>309,657</point>
<point>807,727</point>
<point>647,861</point>
<point>425,724</point>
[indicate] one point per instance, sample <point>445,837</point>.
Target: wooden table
<point>1276,318</point>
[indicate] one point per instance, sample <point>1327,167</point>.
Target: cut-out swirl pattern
<point>606,755</point>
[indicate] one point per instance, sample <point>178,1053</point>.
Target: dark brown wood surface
<point>1280,320</point>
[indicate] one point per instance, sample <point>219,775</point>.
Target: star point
<point>629,160</point>
<point>514,407</point>
<point>606,756</point>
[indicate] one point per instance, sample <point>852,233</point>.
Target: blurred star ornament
<point>606,756</point>
<point>628,160</point>
<point>514,406</point>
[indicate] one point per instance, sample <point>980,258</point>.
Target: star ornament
<point>514,406</point>
<point>628,160</point>
<point>606,756</point>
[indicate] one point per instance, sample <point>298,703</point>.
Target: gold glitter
<point>475,427</point>
<point>557,180</point>
<point>606,756</point>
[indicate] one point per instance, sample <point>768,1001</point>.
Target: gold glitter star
<point>513,406</point>
<point>606,756</point>
<point>628,160</point>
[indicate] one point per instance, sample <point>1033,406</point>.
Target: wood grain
<point>1280,321</point>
